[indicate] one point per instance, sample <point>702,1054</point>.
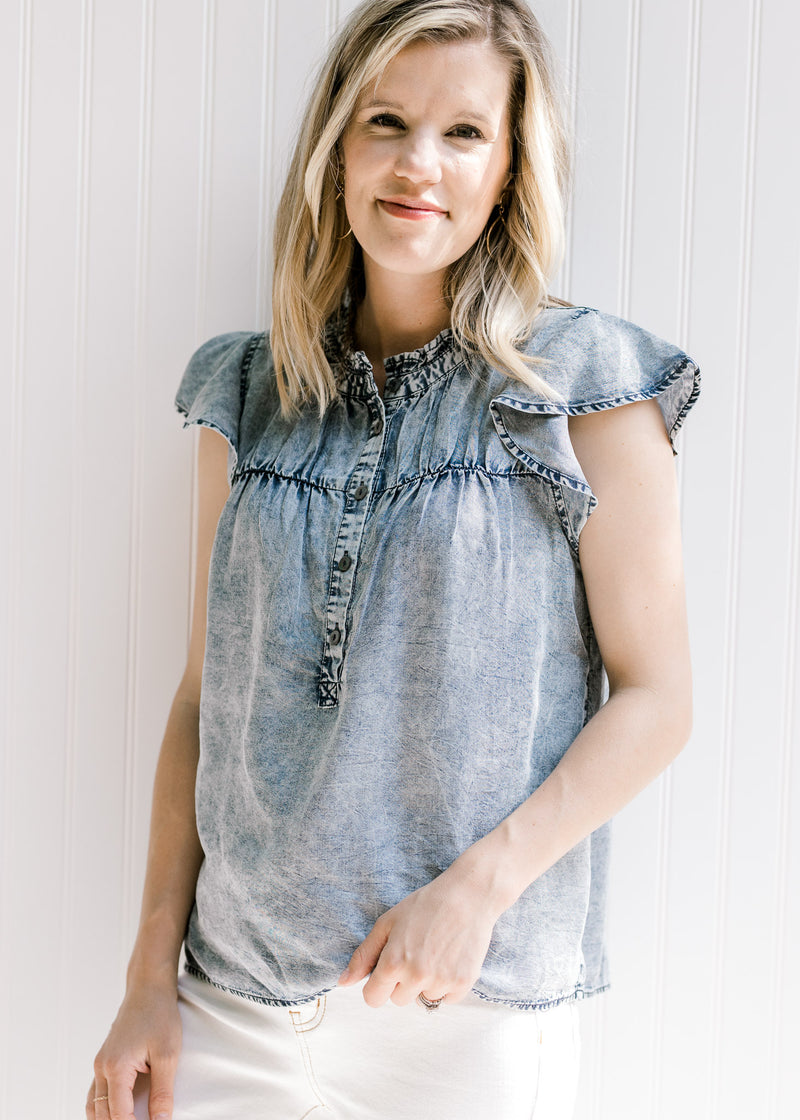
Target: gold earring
<point>338,182</point>
<point>500,217</point>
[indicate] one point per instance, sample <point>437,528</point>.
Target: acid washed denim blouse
<point>399,649</point>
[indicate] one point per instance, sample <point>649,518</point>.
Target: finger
<point>404,994</point>
<point>444,991</point>
<point>456,994</point>
<point>119,1105</point>
<point>90,1102</point>
<point>393,977</point>
<point>365,958</point>
<point>378,989</point>
<point>97,1102</point>
<point>438,992</point>
<point>162,1082</point>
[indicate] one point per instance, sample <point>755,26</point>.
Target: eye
<point>466,132</point>
<point>386,120</point>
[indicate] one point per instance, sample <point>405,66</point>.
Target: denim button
<point>360,492</point>
<point>336,636</point>
<point>345,562</point>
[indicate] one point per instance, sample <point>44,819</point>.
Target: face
<point>427,156</point>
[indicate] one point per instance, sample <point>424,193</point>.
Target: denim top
<point>399,649</point>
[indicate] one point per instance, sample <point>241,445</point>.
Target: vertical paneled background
<point>143,145</point>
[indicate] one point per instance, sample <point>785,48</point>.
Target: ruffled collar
<point>407,374</point>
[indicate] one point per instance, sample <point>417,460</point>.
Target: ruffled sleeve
<point>593,362</point>
<point>213,388</point>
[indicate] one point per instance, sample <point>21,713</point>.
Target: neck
<point>399,314</point>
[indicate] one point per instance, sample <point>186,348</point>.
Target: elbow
<point>675,718</point>
<point>684,724</point>
<point>664,716</point>
<point>680,701</point>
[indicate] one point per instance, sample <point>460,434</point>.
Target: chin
<point>408,261</point>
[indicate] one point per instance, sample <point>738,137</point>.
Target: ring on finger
<point>429,1004</point>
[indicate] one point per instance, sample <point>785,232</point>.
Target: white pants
<point>339,1059</point>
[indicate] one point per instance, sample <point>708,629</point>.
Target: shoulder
<point>222,362</point>
<point>227,380</point>
<point>593,361</point>
<point>592,358</point>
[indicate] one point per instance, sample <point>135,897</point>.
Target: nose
<point>418,158</point>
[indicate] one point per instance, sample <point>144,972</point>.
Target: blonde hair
<point>495,290</point>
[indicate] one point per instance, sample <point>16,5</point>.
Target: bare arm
<point>145,1036</point>
<point>631,560</point>
<point>436,939</point>
<point>174,854</point>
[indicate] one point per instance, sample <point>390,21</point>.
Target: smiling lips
<point>414,209</point>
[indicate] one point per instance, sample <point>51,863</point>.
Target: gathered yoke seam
<point>514,471</point>
<point>270,472</point>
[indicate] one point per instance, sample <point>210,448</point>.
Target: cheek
<point>480,184</point>
<point>356,159</point>
<point>363,156</point>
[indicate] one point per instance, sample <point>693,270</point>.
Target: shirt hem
<point>269,1001</point>
<point>521,1005</point>
<point>544,1004</point>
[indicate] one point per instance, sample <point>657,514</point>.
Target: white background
<point>142,144</point>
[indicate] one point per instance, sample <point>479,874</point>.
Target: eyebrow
<point>384,103</point>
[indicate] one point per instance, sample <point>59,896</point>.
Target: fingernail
<point>344,977</point>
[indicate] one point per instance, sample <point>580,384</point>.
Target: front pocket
<point>309,1016</point>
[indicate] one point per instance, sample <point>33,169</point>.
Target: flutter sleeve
<point>213,388</point>
<point>593,362</point>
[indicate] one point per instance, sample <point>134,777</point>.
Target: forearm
<point>174,855</point>
<point>620,751</point>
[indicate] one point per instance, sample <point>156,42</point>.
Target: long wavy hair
<point>496,289</point>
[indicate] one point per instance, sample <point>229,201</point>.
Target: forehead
<point>471,73</point>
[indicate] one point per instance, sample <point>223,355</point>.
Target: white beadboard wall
<point>143,145</point>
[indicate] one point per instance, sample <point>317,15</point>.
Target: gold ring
<point>96,1099</point>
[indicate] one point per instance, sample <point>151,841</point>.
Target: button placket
<point>344,562</point>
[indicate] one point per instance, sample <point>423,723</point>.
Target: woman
<point>402,761</point>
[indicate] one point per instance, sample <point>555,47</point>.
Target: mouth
<point>413,209</point>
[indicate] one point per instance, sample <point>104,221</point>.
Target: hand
<point>435,941</point>
<point>145,1038</point>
